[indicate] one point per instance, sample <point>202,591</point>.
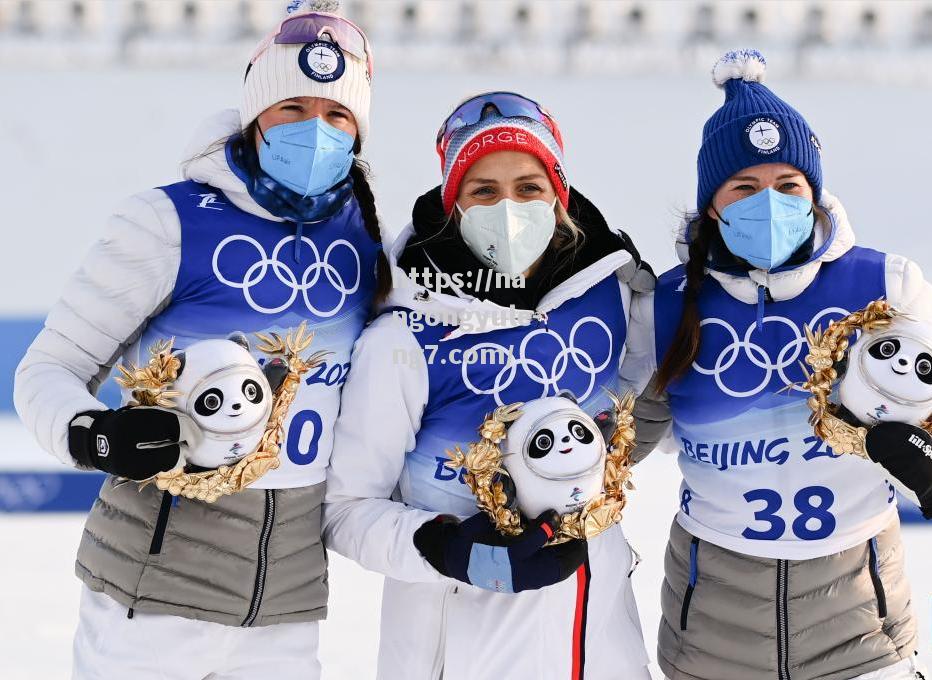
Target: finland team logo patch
<point>763,135</point>
<point>322,61</point>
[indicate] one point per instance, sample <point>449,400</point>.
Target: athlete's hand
<point>473,552</point>
<point>906,453</point>
<point>135,443</point>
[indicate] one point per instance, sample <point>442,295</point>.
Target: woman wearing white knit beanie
<point>273,226</point>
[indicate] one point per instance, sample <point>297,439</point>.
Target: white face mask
<point>508,236</point>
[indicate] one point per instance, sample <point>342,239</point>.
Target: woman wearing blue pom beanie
<point>785,560</point>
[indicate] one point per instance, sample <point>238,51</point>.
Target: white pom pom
<point>304,6</point>
<point>749,65</point>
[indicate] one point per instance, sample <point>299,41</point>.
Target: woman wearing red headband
<point>506,263</point>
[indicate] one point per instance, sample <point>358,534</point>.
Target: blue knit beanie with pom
<point>752,127</point>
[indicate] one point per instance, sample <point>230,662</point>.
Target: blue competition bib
<point>755,476</point>
<point>578,348</point>
<point>240,272</point>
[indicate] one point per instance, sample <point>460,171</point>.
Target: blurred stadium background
<point>99,97</point>
<point>883,39</point>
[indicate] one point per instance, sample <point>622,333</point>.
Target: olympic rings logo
<point>257,272</point>
<point>547,377</point>
<point>789,355</point>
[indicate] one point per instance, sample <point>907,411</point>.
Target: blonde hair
<point>568,235</point>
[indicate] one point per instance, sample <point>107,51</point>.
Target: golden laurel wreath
<point>482,462</point>
<point>151,386</point>
<point>826,348</point>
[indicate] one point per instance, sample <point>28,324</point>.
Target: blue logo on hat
<point>322,61</point>
<point>763,136</point>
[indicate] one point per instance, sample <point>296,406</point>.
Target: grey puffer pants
<point>730,616</point>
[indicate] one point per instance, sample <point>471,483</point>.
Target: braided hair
<point>363,192</point>
<point>685,346</point>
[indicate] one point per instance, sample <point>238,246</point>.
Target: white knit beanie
<point>276,74</point>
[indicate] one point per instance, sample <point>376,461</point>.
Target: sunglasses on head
<point>305,28</point>
<point>506,104</point>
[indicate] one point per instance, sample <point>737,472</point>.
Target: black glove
<point>473,552</point>
<point>135,443</point>
<point>906,453</point>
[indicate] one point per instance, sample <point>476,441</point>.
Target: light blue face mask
<point>767,228</point>
<point>309,157</point>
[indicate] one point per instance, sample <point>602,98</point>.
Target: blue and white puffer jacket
<point>199,259</point>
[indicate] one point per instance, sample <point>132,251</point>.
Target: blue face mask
<point>308,157</point>
<point>767,228</point>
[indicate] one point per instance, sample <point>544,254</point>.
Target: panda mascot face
<point>223,389</point>
<point>555,454</point>
<point>889,376</point>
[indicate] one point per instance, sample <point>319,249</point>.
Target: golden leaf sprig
<point>482,462</point>
<point>150,384</point>
<point>605,509</point>
<point>827,348</point>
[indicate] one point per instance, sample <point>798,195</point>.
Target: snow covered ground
<point>76,142</point>
<point>38,606</point>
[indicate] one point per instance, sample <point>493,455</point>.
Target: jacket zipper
<point>263,558</point>
<point>874,567</point>
<point>783,623</point>
<point>693,580</point>
<point>437,670</point>
<point>763,297</point>
<point>161,523</point>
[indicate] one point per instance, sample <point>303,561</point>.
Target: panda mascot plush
<point>883,407</point>
<point>555,456</point>
<point>222,388</point>
<point>889,374</point>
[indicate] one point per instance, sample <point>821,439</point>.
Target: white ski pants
<point>108,645</point>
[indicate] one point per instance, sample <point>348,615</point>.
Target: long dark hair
<point>685,346</point>
<point>362,190</point>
